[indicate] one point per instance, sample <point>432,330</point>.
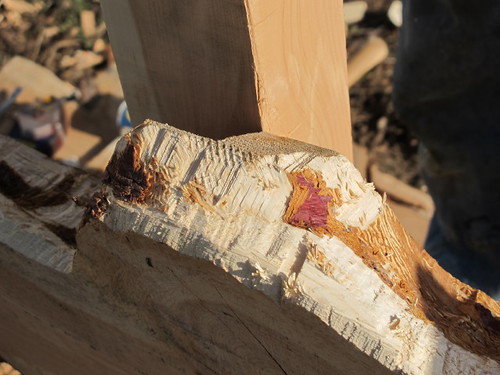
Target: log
<point>254,254</point>
<point>224,68</point>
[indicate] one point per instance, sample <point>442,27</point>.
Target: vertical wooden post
<point>222,68</point>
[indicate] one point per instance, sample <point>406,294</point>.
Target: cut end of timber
<point>306,215</point>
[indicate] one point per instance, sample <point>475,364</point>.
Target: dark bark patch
<point>96,206</point>
<point>127,176</point>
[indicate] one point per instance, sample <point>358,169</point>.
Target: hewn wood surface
<point>223,68</point>
<point>255,254</point>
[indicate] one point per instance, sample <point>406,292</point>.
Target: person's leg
<point>447,90</point>
<point>460,162</point>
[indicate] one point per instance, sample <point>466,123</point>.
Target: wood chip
<point>87,23</point>
<point>395,13</point>
<point>354,11</point>
<point>23,6</point>
<point>50,32</point>
<point>99,46</point>
<point>81,60</point>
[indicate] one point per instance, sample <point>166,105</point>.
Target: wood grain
<point>223,68</point>
<point>254,254</point>
<point>255,174</point>
<point>300,71</point>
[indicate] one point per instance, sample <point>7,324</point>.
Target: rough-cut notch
<point>127,175</point>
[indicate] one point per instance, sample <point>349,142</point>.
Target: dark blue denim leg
<point>447,89</point>
<point>461,167</point>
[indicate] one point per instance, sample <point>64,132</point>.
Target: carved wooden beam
<point>254,254</point>
<point>224,68</point>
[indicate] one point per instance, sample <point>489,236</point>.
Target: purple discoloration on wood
<point>313,212</point>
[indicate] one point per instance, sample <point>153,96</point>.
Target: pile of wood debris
<point>67,37</point>
<point>56,63</point>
